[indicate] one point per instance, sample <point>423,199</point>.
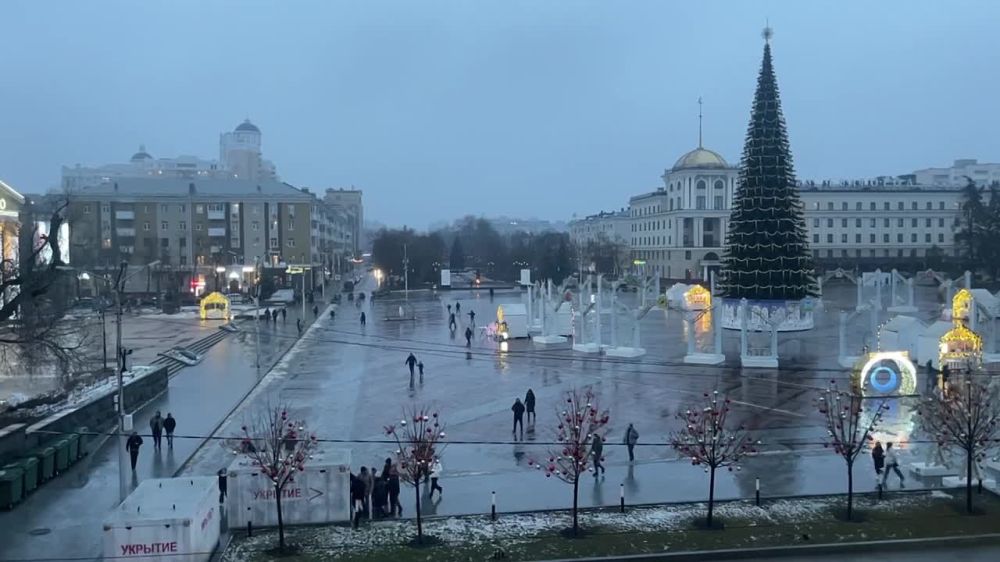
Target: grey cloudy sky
<point>526,108</point>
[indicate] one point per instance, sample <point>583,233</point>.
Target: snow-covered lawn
<point>512,529</point>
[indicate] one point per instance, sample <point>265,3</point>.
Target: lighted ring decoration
<point>888,372</point>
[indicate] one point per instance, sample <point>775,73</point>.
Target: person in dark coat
<point>529,406</point>
<point>468,336</point>
<point>878,457</point>
<point>298,325</point>
<point>169,425</point>
<point>597,450</point>
<point>223,485</point>
<point>631,438</point>
<point>284,315</point>
<point>364,320</point>
<point>132,446</point>
<point>458,307</point>
<point>420,368</point>
<point>472,317</point>
<point>315,311</point>
<point>368,479</point>
<point>395,508</point>
<point>357,499</point>
<point>156,428</point>
<point>380,495</point>
<point>451,322</point>
<point>518,409</point>
<point>267,314</point>
<point>449,309</point>
<point>411,362</point>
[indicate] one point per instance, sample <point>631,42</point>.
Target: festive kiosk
<point>215,306</point>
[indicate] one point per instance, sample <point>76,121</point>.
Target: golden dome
<point>700,158</point>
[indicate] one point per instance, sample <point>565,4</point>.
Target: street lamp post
<point>256,316</point>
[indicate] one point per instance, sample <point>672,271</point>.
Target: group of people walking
<point>886,460</point>
<point>158,425</point>
<point>375,494</point>
<point>272,315</point>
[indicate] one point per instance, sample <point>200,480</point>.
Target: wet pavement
<point>66,514</point>
<point>350,381</point>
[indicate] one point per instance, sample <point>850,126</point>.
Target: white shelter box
<point>318,494</point>
<point>165,520</point>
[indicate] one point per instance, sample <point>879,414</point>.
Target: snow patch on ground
<point>522,527</point>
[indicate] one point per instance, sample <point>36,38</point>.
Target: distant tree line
<point>978,238</point>
<point>472,244</point>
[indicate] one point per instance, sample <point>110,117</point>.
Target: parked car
<point>182,355</point>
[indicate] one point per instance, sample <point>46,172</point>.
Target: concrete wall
<point>98,414</point>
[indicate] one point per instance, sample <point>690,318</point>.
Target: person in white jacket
<point>435,474</point>
<point>892,465</point>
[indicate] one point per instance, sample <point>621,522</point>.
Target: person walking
<point>169,425</point>
<point>458,307</point>
<point>597,450</point>
<point>449,309</point>
<point>395,507</point>
<point>156,428</point>
<point>380,495</point>
<point>472,317</point>
<point>223,485</point>
<point>435,475</point>
<point>132,446</point>
<point>468,336</point>
<point>529,406</point>
<point>631,438</point>
<point>298,325</point>
<point>451,322</point>
<point>274,316</point>
<point>284,315</point>
<point>267,314</point>
<point>878,457</point>
<point>892,464</point>
<point>368,478</point>
<point>315,311</point>
<point>518,409</point>
<point>420,368</point>
<point>363,319</point>
<point>357,500</point>
<point>411,362</point>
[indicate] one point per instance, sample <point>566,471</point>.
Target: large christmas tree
<point>767,252</point>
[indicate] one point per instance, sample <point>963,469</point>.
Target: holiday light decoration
<point>767,254</point>
<point>960,347</point>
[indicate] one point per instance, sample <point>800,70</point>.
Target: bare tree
<point>34,303</point>
<point>847,432</point>
<point>708,441</point>
<point>580,419</point>
<point>278,447</point>
<point>964,417</point>
<point>419,440</point>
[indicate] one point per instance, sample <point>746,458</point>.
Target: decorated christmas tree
<point>767,252</point>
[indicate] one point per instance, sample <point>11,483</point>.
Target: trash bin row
<point>23,474</point>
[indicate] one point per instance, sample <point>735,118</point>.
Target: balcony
<point>216,231</point>
<point>125,215</point>
<point>125,232</point>
<point>216,215</point>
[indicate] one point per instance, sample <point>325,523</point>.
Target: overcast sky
<point>534,108</point>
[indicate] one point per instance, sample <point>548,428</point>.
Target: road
<point>63,518</point>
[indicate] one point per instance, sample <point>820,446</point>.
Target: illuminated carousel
<point>961,349</point>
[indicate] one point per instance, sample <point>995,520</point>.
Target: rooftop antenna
<point>699,121</point>
<point>768,32</point>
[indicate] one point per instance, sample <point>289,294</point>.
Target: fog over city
<point>440,109</point>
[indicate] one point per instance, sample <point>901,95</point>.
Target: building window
<point>900,205</point>
<point>886,205</point>
<point>885,239</point>
<point>145,226</point>
<point>718,202</point>
<point>106,243</point>
<point>829,239</point>
<point>815,223</point>
<point>927,237</point>
<point>858,206</point>
<point>843,206</point>
<point>857,223</point>
<point>913,237</point>
<point>816,238</point>
<point>197,226</point>
<point>163,225</point>
<point>274,242</point>
<point>940,205</point>
<point>719,184</point>
<point>857,238</point>
<point>872,223</point>
<point>872,205</point>
<point>929,206</point>
<point>899,238</point>
<point>687,254</point>
<point>182,242</point>
<point>899,223</point>
<point>843,223</point>
<point>829,223</point>
<point>291,223</point>
<point>913,223</point>
<point>829,253</point>
<point>913,205</point>
<point>843,238</point>
<point>941,222</point>
<point>86,209</point>
<point>829,205</point>
<point>885,223</point>
<point>183,259</point>
<point>199,209</point>
<point>163,208</point>
<point>940,237</point>
<point>871,238</point>
<point>254,225</point>
<point>700,202</point>
<point>700,184</point>
<point>927,222</point>
<point>843,253</point>
<point>291,242</point>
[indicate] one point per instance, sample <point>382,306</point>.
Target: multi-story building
<point>199,229</point>
<point>679,229</point>
<point>348,203</point>
<point>958,174</point>
<point>239,157</point>
<point>613,226</point>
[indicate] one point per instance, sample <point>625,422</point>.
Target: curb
<point>804,550</point>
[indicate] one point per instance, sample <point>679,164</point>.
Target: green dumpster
<point>74,446</point>
<point>46,456</point>
<point>29,466</point>
<point>11,488</point>
<point>61,446</point>
<point>83,433</point>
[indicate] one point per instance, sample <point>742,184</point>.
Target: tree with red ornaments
<point>419,437</point>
